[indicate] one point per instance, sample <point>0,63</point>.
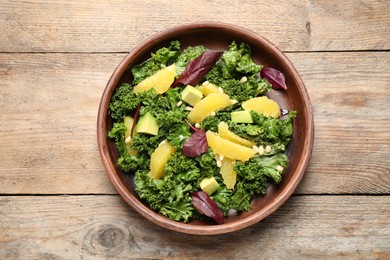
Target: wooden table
<point>56,200</point>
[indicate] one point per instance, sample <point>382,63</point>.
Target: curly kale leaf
<point>178,134</point>
<point>242,91</point>
<point>276,132</point>
<point>117,133</point>
<point>223,198</point>
<point>181,168</point>
<point>145,143</point>
<point>241,200</point>
<point>259,166</point>
<point>127,162</point>
<point>170,194</point>
<point>163,107</point>
<point>207,163</point>
<point>229,70</point>
<point>162,58</point>
<point>123,101</point>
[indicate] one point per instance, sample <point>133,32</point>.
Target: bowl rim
<point>181,226</point>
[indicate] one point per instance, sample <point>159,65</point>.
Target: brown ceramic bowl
<point>216,36</point>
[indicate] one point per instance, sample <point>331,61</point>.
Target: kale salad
<point>196,130</point>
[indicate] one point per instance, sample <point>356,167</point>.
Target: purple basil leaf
<point>275,77</point>
<point>205,205</point>
<point>196,144</point>
<point>198,68</point>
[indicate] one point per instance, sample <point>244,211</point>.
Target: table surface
<point>56,200</point>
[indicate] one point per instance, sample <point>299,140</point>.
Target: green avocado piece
<point>242,116</point>
<point>209,185</point>
<point>147,124</point>
<point>191,95</point>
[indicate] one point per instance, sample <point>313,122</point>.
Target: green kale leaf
<point>123,101</point>
<point>159,60</point>
<point>170,194</point>
<point>256,167</point>
<point>232,67</point>
<point>275,132</point>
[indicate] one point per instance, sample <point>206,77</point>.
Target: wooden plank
<point>350,93</point>
<point>49,104</point>
<point>348,25</point>
<point>101,227</point>
<point>101,26</point>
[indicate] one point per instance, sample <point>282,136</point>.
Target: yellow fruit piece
<point>159,158</point>
<point>229,176</point>
<point>224,132</point>
<point>208,88</point>
<point>129,121</point>
<point>262,105</point>
<point>228,148</point>
<point>211,103</point>
<point>161,81</point>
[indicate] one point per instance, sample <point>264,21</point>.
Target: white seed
<point>220,90</point>
<point>179,103</point>
<point>268,149</point>
<point>233,101</point>
<point>279,168</point>
<point>232,212</point>
<point>128,140</point>
<point>205,83</point>
<point>243,79</point>
<point>221,157</point>
<point>213,113</point>
<point>219,163</point>
<point>197,125</point>
<point>188,108</point>
<point>255,148</point>
<point>261,150</point>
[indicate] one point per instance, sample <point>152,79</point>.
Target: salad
<point>196,130</point>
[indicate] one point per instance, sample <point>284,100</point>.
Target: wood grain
<point>117,26</point>
<point>55,60</point>
<point>349,93</point>
<point>49,104</point>
<point>101,227</point>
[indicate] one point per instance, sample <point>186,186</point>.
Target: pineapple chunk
<point>228,174</point>
<point>161,81</point>
<point>211,103</point>
<point>224,132</point>
<point>159,158</point>
<point>228,148</point>
<point>262,105</point>
<point>207,88</point>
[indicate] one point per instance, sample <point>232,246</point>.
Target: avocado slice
<point>209,185</point>
<point>147,124</point>
<point>242,116</point>
<point>191,95</point>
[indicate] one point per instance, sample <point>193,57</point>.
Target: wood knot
<point>107,240</point>
<point>111,237</point>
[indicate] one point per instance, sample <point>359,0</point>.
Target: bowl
<point>216,36</point>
